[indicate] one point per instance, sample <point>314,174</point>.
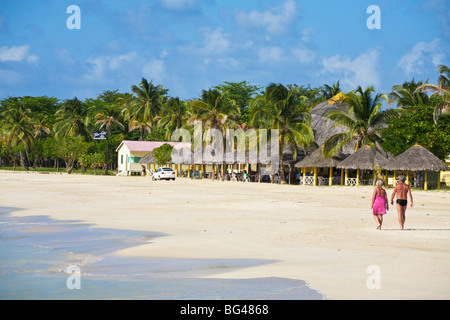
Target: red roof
<point>150,145</point>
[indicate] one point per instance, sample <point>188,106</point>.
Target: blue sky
<point>191,45</point>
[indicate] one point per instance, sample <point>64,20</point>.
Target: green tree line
<point>47,132</point>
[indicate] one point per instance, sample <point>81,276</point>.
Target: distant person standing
<point>402,190</point>
<point>379,203</point>
<point>144,171</point>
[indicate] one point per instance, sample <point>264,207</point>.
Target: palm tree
<point>405,95</point>
<point>215,111</point>
<point>173,115</point>
<point>40,127</point>
<point>146,103</point>
<point>17,126</point>
<point>73,120</point>
<point>329,92</point>
<point>142,125</point>
<point>286,110</point>
<point>364,120</point>
<point>108,117</point>
<point>443,89</point>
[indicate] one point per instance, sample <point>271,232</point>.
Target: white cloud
<point>275,20</point>
<point>270,54</point>
<point>117,61</point>
<point>163,53</point>
<point>307,34</point>
<point>64,56</point>
<point>100,67</point>
<point>154,70</point>
<point>215,41</point>
<point>228,62</point>
<point>362,71</point>
<point>420,54</point>
<point>17,54</point>
<point>304,55</point>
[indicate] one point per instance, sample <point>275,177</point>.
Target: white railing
<point>351,181</point>
<point>309,180</point>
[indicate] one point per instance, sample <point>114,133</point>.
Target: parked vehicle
<point>164,173</point>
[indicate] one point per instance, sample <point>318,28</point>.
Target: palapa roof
<point>322,126</point>
<point>148,158</point>
<point>417,158</point>
<point>316,159</point>
<point>365,158</point>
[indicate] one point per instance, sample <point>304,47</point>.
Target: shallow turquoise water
<point>36,251</point>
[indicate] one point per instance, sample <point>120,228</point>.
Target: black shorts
<point>402,202</point>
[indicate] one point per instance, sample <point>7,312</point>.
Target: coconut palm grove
<point>46,133</point>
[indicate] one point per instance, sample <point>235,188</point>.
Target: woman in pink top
<point>379,203</point>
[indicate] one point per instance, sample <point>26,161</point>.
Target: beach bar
<point>417,159</point>
<point>365,158</point>
<point>314,161</point>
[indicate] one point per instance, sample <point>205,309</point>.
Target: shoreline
<point>36,251</point>
<point>323,235</point>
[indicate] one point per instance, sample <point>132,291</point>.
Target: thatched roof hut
<point>316,159</point>
<point>148,158</point>
<point>365,158</point>
<point>417,158</point>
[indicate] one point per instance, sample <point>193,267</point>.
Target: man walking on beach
<point>401,190</point>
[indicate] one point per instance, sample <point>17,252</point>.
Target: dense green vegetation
<point>45,132</point>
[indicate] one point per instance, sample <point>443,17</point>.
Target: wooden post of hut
<point>425,183</point>
<point>357,176</point>
<point>315,176</point>
<point>342,177</point>
<point>346,176</point>
<point>330,180</point>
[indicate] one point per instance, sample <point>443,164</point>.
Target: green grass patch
<point>61,170</point>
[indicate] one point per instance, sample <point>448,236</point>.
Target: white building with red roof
<point>130,152</point>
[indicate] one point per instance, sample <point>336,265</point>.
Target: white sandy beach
<point>325,235</point>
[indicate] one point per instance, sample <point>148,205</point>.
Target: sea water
<point>36,254</point>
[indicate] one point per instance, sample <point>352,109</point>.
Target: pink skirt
<point>379,205</point>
